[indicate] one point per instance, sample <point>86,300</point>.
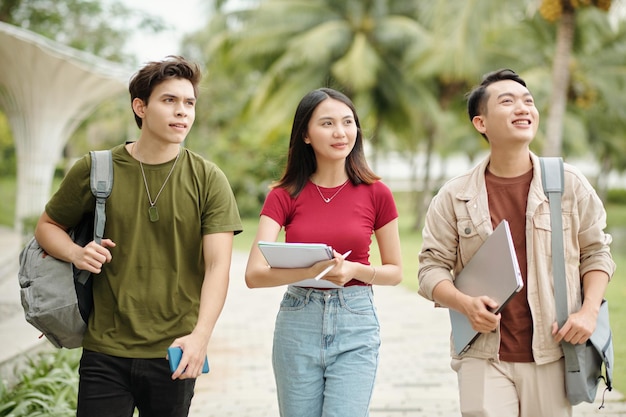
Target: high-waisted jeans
<point>325,353</point>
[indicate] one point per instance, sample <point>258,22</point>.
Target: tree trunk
<point>560,83</point>
<point>425,194</point>
<point>375,143</point>
<point>602,182</point>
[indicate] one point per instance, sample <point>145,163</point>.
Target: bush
<point>616,196</point>
<point>48,386</point>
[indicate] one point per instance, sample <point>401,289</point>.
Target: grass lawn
<point>411,243</point>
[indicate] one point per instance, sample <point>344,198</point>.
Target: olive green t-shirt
<point>149,294</point>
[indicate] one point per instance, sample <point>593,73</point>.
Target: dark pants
<point>112,387</point>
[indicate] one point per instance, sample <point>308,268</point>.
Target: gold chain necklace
<point>153,212</point>
<point>329,199</point>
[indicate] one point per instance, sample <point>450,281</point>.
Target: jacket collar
<point>474,191</point>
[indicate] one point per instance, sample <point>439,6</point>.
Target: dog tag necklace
<point>153,211</point>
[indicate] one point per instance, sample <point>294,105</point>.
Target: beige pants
<point>489,389</point>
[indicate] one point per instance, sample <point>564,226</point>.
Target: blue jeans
<point>325,352</point>
<point>112,386</point>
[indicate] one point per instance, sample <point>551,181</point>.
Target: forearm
<point>390,270</point>
<point>217,250</point>
<point>445,294</point>
<point>594,286</point>
<point>260,275</point>
<point>54,239</point>
<point>212,300</point>
<point>386,274</point>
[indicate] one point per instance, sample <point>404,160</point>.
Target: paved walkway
<point>414,377</point>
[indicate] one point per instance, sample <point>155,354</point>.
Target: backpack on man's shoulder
<point>56,296</point>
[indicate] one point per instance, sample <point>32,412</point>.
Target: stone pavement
<point>414,377</point>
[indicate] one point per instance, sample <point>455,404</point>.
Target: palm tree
<point>563,13</point>
<point>355,46</point>
<point>406,64</point>
<point>459,52</point>
<point>596,86</point>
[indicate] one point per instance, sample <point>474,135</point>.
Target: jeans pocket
<point>291,302</point>
<point>362,304</point>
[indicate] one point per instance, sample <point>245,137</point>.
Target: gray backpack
<point>56,296</point>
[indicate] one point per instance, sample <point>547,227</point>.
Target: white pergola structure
<point>46,90</point>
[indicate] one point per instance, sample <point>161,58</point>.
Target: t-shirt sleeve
<point>386,209</point>
<point>69,204</point>
<point>277,206</point>
<point>220,213</point>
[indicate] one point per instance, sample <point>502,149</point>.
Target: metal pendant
<point>153,213</point>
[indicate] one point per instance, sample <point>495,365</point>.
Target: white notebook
<point>492,271</point>
<point>294,255</point>
<point>298,255</point>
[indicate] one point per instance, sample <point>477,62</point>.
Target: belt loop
<point>308,296</point>
<point>342,300</point>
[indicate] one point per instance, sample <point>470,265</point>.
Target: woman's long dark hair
<point>301,162</point>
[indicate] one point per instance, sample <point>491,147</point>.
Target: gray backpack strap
<point>101,184</point>
<point>552,179</point>
<point>552,175</point>
<point>101,181</point>
<point>553,184</point>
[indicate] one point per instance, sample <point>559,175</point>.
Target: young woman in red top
<point>326,337</point>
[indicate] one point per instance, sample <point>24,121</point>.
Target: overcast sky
<point>183,15</point>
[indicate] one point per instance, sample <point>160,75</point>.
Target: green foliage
<point>7,148</point>
<point>99,27</point>
<point>8,189</point>
<point>362,55</point>
<point>111,124</point>
<point>616,221</point>
<point>406,65</point>
<point>47,386</point>
<point>250,181</point>
<point>615,294</point>
<point>617,196</point>
<point>7,202</point>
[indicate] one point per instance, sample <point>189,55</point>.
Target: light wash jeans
<point>325,353</point>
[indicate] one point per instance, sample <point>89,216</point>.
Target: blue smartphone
<point>174,354</point>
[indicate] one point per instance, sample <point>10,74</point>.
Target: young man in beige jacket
<point>516,366</point>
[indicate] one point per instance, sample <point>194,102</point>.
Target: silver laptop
<point>492,271</point>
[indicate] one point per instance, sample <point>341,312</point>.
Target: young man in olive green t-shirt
<point>163,266</point>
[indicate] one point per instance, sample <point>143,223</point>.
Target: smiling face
<point>509,115</point>
<point>169,113</point>
<point>332,130</point>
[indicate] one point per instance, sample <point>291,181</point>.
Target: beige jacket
<point>458,222</point>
